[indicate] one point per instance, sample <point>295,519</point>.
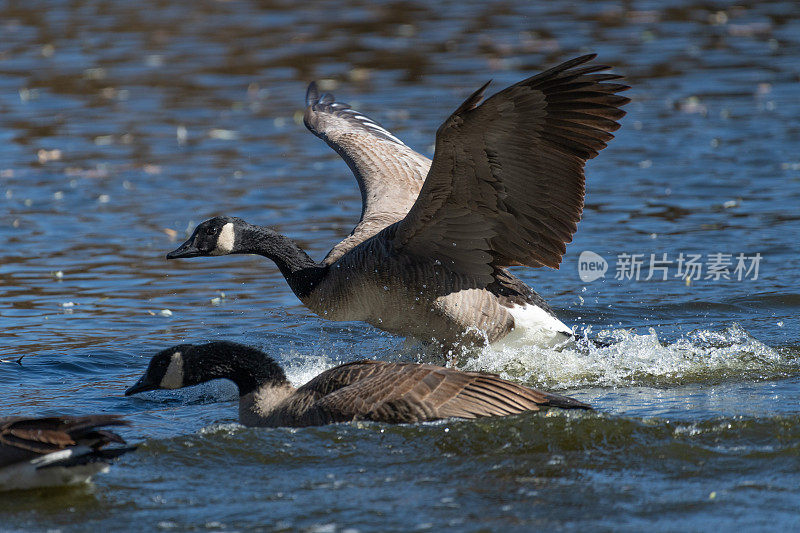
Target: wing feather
<point>506,185</point>
<point>22,438</point>
<point>389,173</point>
<point>405,392</point>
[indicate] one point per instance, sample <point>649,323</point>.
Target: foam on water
<point>301,368</point>
<point>624,357</point>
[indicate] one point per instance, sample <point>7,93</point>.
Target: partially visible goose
<point>505,188</point>
<point>363,390</point>
<point>58,450</point>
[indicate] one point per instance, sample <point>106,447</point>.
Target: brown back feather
<point>407,392</point>
<point>26,437</point>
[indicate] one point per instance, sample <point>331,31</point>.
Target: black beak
<point>187,249</point>
<point>142,385</point>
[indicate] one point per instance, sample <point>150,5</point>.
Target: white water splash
<point>617,357</point>
<point>628,358</point>
<point>301,368</point>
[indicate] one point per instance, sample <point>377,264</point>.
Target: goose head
<point>165,371</point>
<point>225,235</point>
<point>216,236</point>
<point>186,365</point>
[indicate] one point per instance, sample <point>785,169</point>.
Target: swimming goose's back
<point>60,450</point>
<point>406,393</point>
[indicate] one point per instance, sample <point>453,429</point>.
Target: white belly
<point>534,325</point>
<point>534,317</point>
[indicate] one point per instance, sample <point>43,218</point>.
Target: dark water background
<point>124,124</point>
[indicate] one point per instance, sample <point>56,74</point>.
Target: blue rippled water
<point>124,125</point>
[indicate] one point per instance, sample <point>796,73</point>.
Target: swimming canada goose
<point>362,390</point>
<point>57,450</point>
<point>428,257</point>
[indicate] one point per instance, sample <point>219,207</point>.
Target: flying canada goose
<point>428,257</point>
<point>362,390</point>
<point>57,450</point>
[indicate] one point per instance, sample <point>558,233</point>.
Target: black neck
<point>301,272</point>
<point>247,367</point>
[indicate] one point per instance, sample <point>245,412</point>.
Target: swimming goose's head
<point>216,236</point>
<point>185,365</point>
<point>165,371</point>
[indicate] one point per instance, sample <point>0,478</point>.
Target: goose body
<point>428,258</point>
<point>422,299</point>
<point>363,390</point>
<point>55,451</point>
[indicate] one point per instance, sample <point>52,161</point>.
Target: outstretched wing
<point>402,392</point>
<point>506,185</point>
<point>389,173</point>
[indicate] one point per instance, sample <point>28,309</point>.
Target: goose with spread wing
<point>361,390</point>
<point>429,256</point>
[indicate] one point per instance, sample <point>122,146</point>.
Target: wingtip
<point>580,60</point>
<point>312,94</point>
<point>566,402</point>
<point>570,64</point>
<point>473,100</point>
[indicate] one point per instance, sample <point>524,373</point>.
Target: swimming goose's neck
<point>301,272</point>
<point>248,368</point>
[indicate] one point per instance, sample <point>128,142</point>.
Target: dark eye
<point>209,231</point>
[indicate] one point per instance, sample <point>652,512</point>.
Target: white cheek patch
<point>225,240</point>
<point>173,378</point>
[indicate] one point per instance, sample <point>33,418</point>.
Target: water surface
<point>123,126</point>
